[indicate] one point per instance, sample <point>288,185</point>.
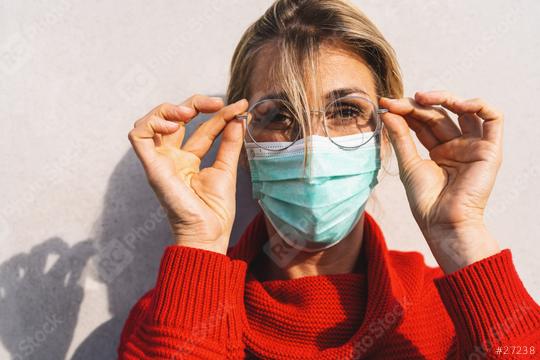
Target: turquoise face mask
<point>316,207</point>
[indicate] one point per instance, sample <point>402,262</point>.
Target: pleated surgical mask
<point>314,207</point>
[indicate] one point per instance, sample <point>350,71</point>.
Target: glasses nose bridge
<point>319,111</point>
<point>317,128</point>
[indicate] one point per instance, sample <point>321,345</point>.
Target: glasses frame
<point>377,130</point>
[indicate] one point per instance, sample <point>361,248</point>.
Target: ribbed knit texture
<point>207,305</point>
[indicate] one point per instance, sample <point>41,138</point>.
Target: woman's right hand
<point>200,204</point>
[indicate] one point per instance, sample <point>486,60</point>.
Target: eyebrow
<point>334,94</point>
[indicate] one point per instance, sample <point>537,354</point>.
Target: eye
<point>349,111</point>
<point>281,117</point>
<point>280,121</point>
<point>343,112</point>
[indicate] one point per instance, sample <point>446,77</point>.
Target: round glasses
<point>349,122</point>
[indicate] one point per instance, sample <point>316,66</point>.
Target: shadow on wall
<point>39,303</point>
<point>124,254</point>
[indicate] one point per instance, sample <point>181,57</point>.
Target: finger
<point>193,105</point>
<point>231,142</point>
<point>464,150</point>
<point>437,119</point>
<point>203,103</point>
<point>492,125</point>
<point>422,130</point>
<point>442,98</point>
<point>142,137</point>
<point>423,133</point>
<point>471,125</point>
<point>202,139</point>
<point>169,112</point>
<point>180,114</point>
<point>401,139</point>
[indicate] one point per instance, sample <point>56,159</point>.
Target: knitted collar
<point>386,296</point>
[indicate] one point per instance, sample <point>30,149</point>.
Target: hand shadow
<point>40,297</point>
<point>130,237</point>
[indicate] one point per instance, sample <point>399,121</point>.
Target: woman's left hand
<point>448,192</point>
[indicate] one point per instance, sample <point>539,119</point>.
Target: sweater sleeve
<point>493,314</point>
<point>193,312</point>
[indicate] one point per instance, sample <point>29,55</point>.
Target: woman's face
<point>339,71</point>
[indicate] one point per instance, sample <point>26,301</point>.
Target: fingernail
<point>216,98</point>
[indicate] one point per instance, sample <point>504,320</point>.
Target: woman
<point>311,276</point>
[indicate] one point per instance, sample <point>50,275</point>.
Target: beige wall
<point>81,234</point>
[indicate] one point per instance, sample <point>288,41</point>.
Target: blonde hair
<point>296,30</point>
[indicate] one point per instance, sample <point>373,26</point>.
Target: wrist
<point>219,246</point>
<point>455,247</point>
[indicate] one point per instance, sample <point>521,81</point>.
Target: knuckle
<point>157,108</point>
<point>196,97</point>
<point>139,122</point>
<point>498,114</point>
<point>478,101</point>
<point>167,105</point>
<point>193,100</point>
<point>163,107</point>
<point>151,122</point>
<point>151,118</point>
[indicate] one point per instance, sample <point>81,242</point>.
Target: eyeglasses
<point>272,124</point>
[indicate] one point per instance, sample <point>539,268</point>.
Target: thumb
<point>231,141</point>
<point>401,139</point>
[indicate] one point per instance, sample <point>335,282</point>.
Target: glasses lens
<point>273,121</point>
<point>351,121</point>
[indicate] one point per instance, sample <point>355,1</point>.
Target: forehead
<point>338,68</point>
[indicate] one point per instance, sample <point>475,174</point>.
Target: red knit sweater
<point>207,305</point>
